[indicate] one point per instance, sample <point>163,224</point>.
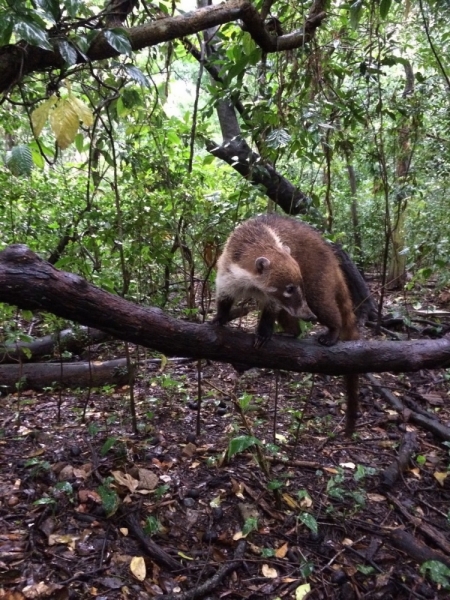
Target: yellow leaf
<point>64,122</point>
<point>440,476</point>
<point>269,571</point>
<point>281,551</point>
<point>40,115</point>
<point>183,555</point>
<point>82,110</point>
<point>290,501</point>
<point>301,591</point>
<point>137,567</point>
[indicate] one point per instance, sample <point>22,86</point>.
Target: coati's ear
<point>286,248</point>
<point>262,264</point>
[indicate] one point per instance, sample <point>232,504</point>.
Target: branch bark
<point>31,283</point>
<point>20,59</point>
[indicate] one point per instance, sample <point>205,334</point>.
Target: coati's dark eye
<point>290,289</point>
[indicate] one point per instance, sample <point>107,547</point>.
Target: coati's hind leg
<point>288,323</point>
<point>223,311</point>
<point>265,328</point>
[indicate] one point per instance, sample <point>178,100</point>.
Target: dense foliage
<point>112,179</point>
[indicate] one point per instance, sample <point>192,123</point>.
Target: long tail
<point>352,387</point>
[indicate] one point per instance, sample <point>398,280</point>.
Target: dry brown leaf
<point>147,479</point>
<point>126,480</point>
<point>281,551</point>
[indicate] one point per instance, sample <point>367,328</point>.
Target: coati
<point>289,269</point>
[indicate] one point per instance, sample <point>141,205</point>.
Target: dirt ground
<point>268,501</point>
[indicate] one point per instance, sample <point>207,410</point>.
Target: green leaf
<point>68,52</point>
<point>437,572</point>
<point>38,159</point>
<point>385,5</point>
<point>72,7</point>
<point>6,29</point>
<point>356,13</point>
<point>137,75</point>
<point>118,39</point>
<point>310,522</point>
<point>79,142</point>
<point>33,34</point>
<point>50,6</point>
<point>240,444</point>
<point>107,446</point>
<point>64,486</point>
<point>110,500</point>
<point>19,161</point>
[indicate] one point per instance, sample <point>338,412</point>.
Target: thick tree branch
<point>20,59</point>
<point>29,282</point>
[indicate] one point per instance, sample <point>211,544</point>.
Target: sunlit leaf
<point>33,34</point>
<point>39,116</point>
<point>302,591</point>
<point>64,122</point>
<point>50,7</point>
<point>82,110</point>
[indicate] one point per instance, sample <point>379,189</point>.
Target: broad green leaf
<point>438,572</point>
<point>110,499</point>
<point>107,446</point>
<point>39,116</point>
<point>356,13</point>
<point>19,160</point>
<point>308,520</point>
<point>79,142</point>
<point>118,39</point>
<point>72,7</point>
<point>50,6</point>
<point>82,110</point>
<point>38,159</point>
<point>6,29</point>
<point>137,75</point>
<point>33,34</point>
<point>385,5</point>
<point>64,122</point>
<point>240,444</point>
<point>68,52</point>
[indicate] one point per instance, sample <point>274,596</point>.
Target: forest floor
<point>89,509</point>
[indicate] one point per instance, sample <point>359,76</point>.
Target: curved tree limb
<point>18,60</point>
<point>29,282</point>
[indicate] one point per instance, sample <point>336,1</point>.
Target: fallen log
<point>37,376</point>
<point>29,282</point>
<point>68,340</point>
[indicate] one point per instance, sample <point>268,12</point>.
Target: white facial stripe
<point>287,294</point>
<point>272,290</point>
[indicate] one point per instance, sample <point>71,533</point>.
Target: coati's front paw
<point>328,339</point>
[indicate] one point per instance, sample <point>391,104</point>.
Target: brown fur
<point>321,282</point>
